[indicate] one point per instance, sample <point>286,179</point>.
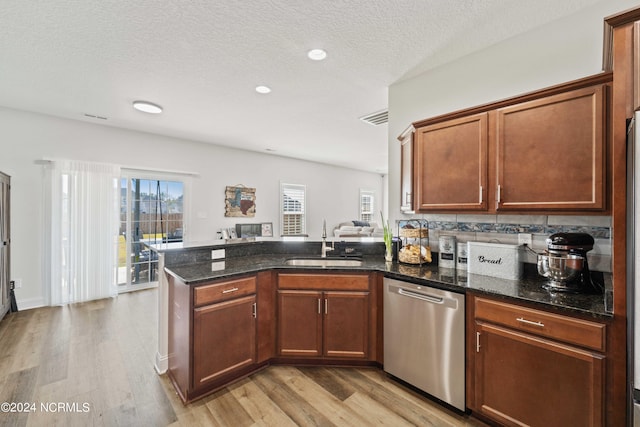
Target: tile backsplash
<point>505,229</point>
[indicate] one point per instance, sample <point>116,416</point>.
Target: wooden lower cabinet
<point>212,334</point>
<point>323,324</point>
<point>224,339</point>
<point>346,324</point>
<point>226,329</point>
<point>299,323</point>
<point>525,377</point>
<point>331,321</point>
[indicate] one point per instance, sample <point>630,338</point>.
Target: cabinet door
<point>346,324</point>
<point>299,323</point>
<point>550,153</point>
<point>451,165</point>
<point>525,380</point>
<point>224,339</point>
<point>406,173</point>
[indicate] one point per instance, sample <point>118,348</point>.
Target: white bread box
<point>495,259</point>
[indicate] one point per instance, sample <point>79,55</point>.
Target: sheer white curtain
<point>82,225</point>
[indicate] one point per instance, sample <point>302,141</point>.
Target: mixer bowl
<point>560,268</point>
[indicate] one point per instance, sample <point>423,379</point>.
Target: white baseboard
<point>29,303</point>
<point>162,363</point>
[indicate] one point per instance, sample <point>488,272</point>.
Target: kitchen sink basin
<point>324,262</point>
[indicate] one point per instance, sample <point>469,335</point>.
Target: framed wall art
<point>240,201</point>
<point>267,229</point>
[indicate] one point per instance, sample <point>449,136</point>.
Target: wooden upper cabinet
<point>551,153</point>
<point>540,152</point>
<point>406,171</point>
<point>450,162</point>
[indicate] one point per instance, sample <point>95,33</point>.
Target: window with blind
<point>292,203</point>
<point>367,205</point>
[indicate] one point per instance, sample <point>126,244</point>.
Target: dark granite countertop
<point>529,289</point>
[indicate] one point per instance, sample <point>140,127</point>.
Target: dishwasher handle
<point>421,296</point>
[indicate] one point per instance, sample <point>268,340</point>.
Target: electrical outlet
<point>17,283</point>
<point>217,266</point>
<point>525,239</point>
<point>217,254</point>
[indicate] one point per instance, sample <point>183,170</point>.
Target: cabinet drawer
<point>355,282</point>
<point>562,328</point>
<point>208,294</point>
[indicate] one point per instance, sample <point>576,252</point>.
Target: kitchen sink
<point>324,262</point>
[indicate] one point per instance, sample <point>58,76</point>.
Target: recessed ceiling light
<point>147,107</point>
<point>263,89</point>
<point>317,54</point>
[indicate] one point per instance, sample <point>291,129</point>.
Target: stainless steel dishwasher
<point>424,339</point>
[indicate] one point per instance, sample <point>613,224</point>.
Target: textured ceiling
<point>201,60</point>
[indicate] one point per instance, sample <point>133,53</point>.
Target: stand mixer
<point>565,263</point>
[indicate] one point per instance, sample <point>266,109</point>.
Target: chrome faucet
<point>325,248</point>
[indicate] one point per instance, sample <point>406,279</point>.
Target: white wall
<point>332,192</point>
<point>564,50</point>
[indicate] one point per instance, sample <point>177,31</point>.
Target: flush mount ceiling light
<point>317,54</point>
<point>263,89</point>
<point>147,107</point>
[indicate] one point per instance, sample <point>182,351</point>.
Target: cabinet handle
<point>481,193</point>
<point>319,306</point>
<point>228,291</point>
<point>255,310</point>
<point>530,322</point>
<point>499,194</point>
<point>326,306</point>
<point>477,342</point>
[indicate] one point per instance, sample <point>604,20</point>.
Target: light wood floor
<point>92,364</point>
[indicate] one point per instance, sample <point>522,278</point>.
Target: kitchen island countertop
<point>528,289</point>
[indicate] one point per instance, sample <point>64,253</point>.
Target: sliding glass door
<point>151,212</point>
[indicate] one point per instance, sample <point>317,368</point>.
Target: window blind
<point>292,198</point>
<point>366,206</point>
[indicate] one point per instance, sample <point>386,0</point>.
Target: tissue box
<point>495,259</point>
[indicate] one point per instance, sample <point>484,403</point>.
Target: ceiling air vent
<point>92,116</point>
<point>376,119</point>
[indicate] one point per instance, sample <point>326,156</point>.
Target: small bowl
<point>560,268</point>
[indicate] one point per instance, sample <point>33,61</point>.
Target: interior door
<point>4,244</point>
